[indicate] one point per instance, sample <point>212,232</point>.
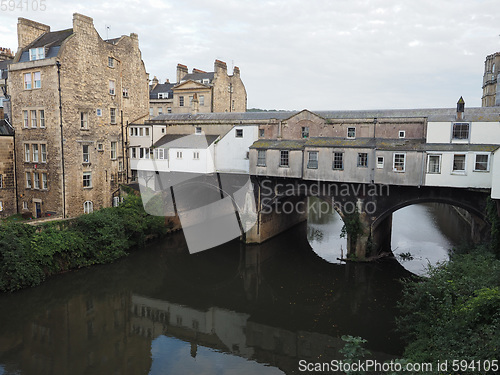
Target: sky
<point>303,54</point>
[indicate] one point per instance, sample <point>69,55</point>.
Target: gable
<point>306,115</point>
<point>190,85</point>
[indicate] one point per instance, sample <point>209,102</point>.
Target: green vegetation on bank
<point>28,254</point>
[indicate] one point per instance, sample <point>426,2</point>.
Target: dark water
<point>234,309</point>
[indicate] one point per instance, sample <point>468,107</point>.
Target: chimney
<point>236,71</point>
<point>167,81</point>
<point>196,104</point>
<point>220,67</point>
<point>198,71</point>
<point>182,70</point>
<point>154,82</point>
<point>82,24</point>
<point>5,54</point>
<point>28,31</point>
<point>460,109</point>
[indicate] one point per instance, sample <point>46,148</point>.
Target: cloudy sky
<point>296,54</point>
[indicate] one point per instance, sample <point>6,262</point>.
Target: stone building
<point>7,170</point>
<point>6,57</point>
<point>199,92</point>
<point>490,82</point>
<point>70,144</point>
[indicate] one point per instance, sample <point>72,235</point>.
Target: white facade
<point>232,151</point>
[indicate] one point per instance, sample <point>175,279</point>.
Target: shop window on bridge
<point>351,133</point>
<point>380,162</point>
<point>460,130</point>
<point>482,163</point>
<point>261,158</point>
<point>362,159</point>
<point>459,163</point>
<point>434,164</point>
<point>312,163</point>
<point>284,158</point>
<point>399,162</point>
<point>338,161</point>
<point>305,132</point>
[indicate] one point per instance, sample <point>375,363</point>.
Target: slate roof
<point>5,129</point>
<point>51,40</point>
<point>199,76</point>
<point>4,68</point>
<point>487,114</point>
<point>162,88</point>
<point>186,141</point>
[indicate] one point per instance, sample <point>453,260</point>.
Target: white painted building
<point>232,150</point>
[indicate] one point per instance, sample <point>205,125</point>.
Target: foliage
<point>455,312</point>
<point>353,350</point>
<point>28,254</point>
<point>492,215</point>
<point>352,226</point>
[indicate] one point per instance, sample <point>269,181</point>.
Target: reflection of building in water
<point>82,336</point>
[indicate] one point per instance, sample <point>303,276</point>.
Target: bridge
<point>366,164</point>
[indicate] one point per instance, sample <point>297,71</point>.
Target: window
<point>1,206</point>
<point>482,163</point>
<point>112,115</point>
<point>87,179</point>
<point>160,111</point>
<point>461,130</point>
<point>261,158</point>
<point>351,133</point>
<point>42,118</point>
<point>284,158</point>
<point>312,162</point>
<point>25,205</point>
<point>305,132</point>
<point>181,101</point>
<point>434,164</point>
<point>84,120</point>
<point>169,110</point>
<point>402,134</point>
<point>151,112</point>
<point>399,162</point>
<point>27,157</point>
<point>338,160</point>
<point>190,100</point>
<point>34,121</point>
<point>111,87</point>
<point>196,155</point>
<point>45,184</point>
<point>113,150</point>
<point>86,155</point>
<point>202,100</point>
<point>239,133</point>
<point>28,180</point>
<point>197,130</point>
<point>1,181</point>
<point>116,201</point>
<point>380,162</point>
<point>27,81</point>
<point>100,147</point>
<point>37,77</point>
<point>133,153</point>
<point>262,133</point>
<point>25,119</point>
<point>111,62</point>
<point>362,159</point>
<point>458,163</point>
<point>88,207</point>
<point>125,93</point>
<point>37,53</point>
<point>98,112</point>
<point>35,153</point>
<point>159,153</point>
<point>179,154</point>
<point>36,181</point>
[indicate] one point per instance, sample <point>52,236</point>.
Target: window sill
<point>84,129</point>
<point>481,171</point>
<point>284,166</point>
<point>459,173</point>
<point>87,187</point>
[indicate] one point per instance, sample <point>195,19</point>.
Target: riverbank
<point>29,254</point>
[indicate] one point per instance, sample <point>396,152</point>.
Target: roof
<point>199,76</point>
<point>379,144</point>
<point>186,141</point>
<point>161,88</point>
<point>51,40</point>
<point>4,68</point>
<point>5,128</point>
<point>487,114</point>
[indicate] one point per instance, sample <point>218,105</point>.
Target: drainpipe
<point>15,166</point>
<point>62,140</point>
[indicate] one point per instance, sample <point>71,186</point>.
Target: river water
<point>234,309</point>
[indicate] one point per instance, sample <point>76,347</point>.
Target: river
<point>234,309</point>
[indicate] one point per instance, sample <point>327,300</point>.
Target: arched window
<point>88,207</point>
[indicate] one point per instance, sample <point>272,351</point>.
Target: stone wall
<point>7,187</point>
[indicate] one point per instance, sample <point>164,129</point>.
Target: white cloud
<point>316,54</point>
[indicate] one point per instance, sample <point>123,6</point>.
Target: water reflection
<point>257,309</point>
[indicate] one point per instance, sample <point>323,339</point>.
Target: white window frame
<point>487,162</point>
<point>28,81</point>
<point>88,207</point>
<point>87,182</point>
<point>453,131</point>
<point>85,154</point>
<point>202,100</point>
<point>238,133</point>
<point>312,160</point>
<point>402,134</point>
<point>159,153</point>
<point>181,101</point>
<point>362,156</point>
<point>351,136</point>
<point>459,171</point>
<point>196,155</point>
<point>113,151</point>
<point>179,154</point>
<point>45,184</point>
<point>37,53</point>
<point>37,83</point>
<point>429,156</point>
<point>112,116</point>
<point>29,182</point>
<point>84,120</point>
<point>394,168</point>
<point>33,118</point>
<point>261,158</point>
<point>380,162</point>
<point>35,152</point>
<point>284,154</point>
<point>41,112</point>
<point>111,62</point>
<point>27,154</point>
<point>26,118</point>
<point>36,180</point>
<point>112,87</point>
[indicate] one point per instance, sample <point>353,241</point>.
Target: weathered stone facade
<point>491,95</point>
<point>7,171</point>
<point>199,92</point>
<point>103,86</point>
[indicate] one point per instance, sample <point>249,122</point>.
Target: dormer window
<point>460,130</point>
<point>163,95</point>
<point>37,53</point>
<point>206,81</point>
